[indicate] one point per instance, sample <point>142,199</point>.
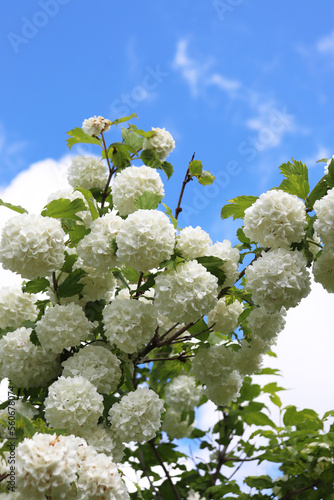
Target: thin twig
<point>187,179</point>
<point>111,172</point>
<point>55,286</point>
<point>181,357</point>
<point>156,453</point>
<point>136,295</point>
<point>301,490</point>
<point>153,488</point>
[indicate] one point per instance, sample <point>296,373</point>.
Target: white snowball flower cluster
<point>24,363</point>
<point>98,285</point>
<point>225,316</point>
<point>186,293</point>
<point>276,219</point>
<point>146,238</point>
<point>94,249</point>
<point>279,278</point>
<point>266,325</point>
<point>73,403</point>
<point>96,125</point>
<point>16,307</point>
<point>193,242</point>
<point>182,394</point>
<point>194,495</point>
<point>231,256</point>
<point>174,426</point>
<point>324,224</point>
<point>87,172</point>
<point>98,365</point>
<point>103,440</point>
<point>129,324</point>
<point>62,327</point>
<point>215,368</point>
<point>32,245</point>
<point>249,358</point>
<point>162,142</point>
<point>327,165</point>
<point>137,417</point>
<point>133,182</point>
<point>323,268</point>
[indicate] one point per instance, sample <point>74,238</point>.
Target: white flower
<point>249,358</point>
<point>186,293</point>
<point>193,242</point>
<point>104,440</point>
<point>99,479</point>
<point>16,307</point>
<point>174,426</point>
<point>98,365</point>
<point>24,363</point>
<point>146,239</point>
<point>266,325</point>
<point>231,257</point>
<point>94,248</point>
<point>276,219</point>
<point>87,172</point>
<point>98,285</point>
<point>72,403</point>
<point>129,324</point>
<point>162,142</point>
<point>96,125</point>
<point>323,268</point>
<point>69,194</point>
<point>133,182</point>
<point>32,245</point>
<point>193,495</point>
<point>279,278</point>
<point>138,415</point>
<point>62,327</point>
<point>225,316</point>
<point>324,224</point>
<point>327,165</point>
<point>182,394</point>
<point>46,465</point>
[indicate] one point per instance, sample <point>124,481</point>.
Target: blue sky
<point>234,81</point>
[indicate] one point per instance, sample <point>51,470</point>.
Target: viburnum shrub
<point>126,322</point>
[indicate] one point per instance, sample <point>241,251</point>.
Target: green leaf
<point>168,211</point>
<point>167,168</point>
<point>124,119</point>
<point>118,275</point>
<point>132,139</point>
<point>296,179</point>
<point>303,420</point>
<point>76,232</point>
<point>213,266</point>
<point>319,191</point>
<point>142,133</point>
<point>257,418</point>
<point>330,175</point>
<point>272,388</point>
<point>119,155</point>
<point>195,168</point>
<point>77,135</point>
<point>237,207</point>
<point>35,286</point>
<point>148,201</point>
<point>16,208</point>
<point>200,329</point>
<point>323,160</point>
<point>113,246</point>
<point>63,208</point>
<point>91,202</point>
<point>243,238</point>
<point>70,259</point>
<point>259,482</point>
<point>34,339</point>
<point>130,274</point>
<point>71,286</point>
<point>206,178</point>
<point>275,400</point>
<point>150,158</point>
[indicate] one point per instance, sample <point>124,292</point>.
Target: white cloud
<point>326,44</point>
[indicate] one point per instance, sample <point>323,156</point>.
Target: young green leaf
<point>71,286</point>
<point>119,155</point>
<point>213,265</point>
<point>63,208</point>
<point>35,286</point>
<point>317,192</point>
<point>132,139</point>
<point>296,179</point>
<point>16,208</point>
<point>206,178</point>
<point>124,119</point>
<point>168,211</point>
<point>148,201</point>
<point>150,158</point>
<point>167,168</point>
<point>195,168</point>
<point>91,202</point>
<point>237,207</point>
<point>78,136</point>
<point>70,259</point>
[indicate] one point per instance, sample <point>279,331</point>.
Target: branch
<point>187,179</point>
<point>111,172</point>
<point>174,336</point>
<point>156,453</point>
<point>136,295</point>
<point>55,286</point>
<point>301,490</point>
<point>143,464</point>
<point>182,357</point>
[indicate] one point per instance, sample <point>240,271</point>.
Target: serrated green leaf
<point>119,154</point>
<point>142,133</point>
<point>78,136</point>
<point>132,139</point>
<point>71,286</point>
<point>296,179</point>
<point>167,168</point>
<point>272,388</point>
<point>195,168</point>
<point>130,274</point>
<point>35,286</point>
<point>168,211</point>
<point>34,339</point>
<point>257,418</point>
<point>150,158</point>
<point>16,208</point>
<point>124,119</point>
<point>70,259</point>
<point>237,207</point>
<point>91,202</point>
<point>213,266</point>
<point>205,178</point>
<point>113,246</point>
<point>243,238</point>
<point>63,208</point>
<point>119,275</point>
<point>318,192</point>
<point>148,201</point>
<point>275,400</point>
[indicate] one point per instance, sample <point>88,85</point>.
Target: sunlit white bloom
<point>16,307</point>
<point>162,142</point>
<point>266,325</point>
<point>182,394</point>
<point>96,125</point>
<point>225,316</point>
<point>223,250</point>
<point>193,242</point>
<point>87,172</point>
<point>323,268</point>
<point>174,426</point>
<point>104,440</point>
<point>324,224</point>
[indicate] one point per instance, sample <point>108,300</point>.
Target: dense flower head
<point>174,426</point>
<point>96,125</point>
<point>182,394</point>
<point>225,316</point>
<point>73,403</point>
<point>276,219</point>
<point>186,293</point>
<point>24,363</point>
<point>98,285</point>
<point>87,172</point>
<point>324,224</point>
<point>323,268</point>
<point>62,327</point>
<point>193,242</point>
<point>194,495</point>
<point>162,142</point>
<point>223,250</point>
<point>278,279</point>
<point>137,417</point>
<point>16,307</point>
<point>133,182</point>
<point>222,392</point>
<point>98,365</point>
<point>104,440</point>
<point>129,324</point>
<point>32,245</point>
<point>146,239</point>
<point>249,357</point>
<point>266,325</point>
<point>94,249</point>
